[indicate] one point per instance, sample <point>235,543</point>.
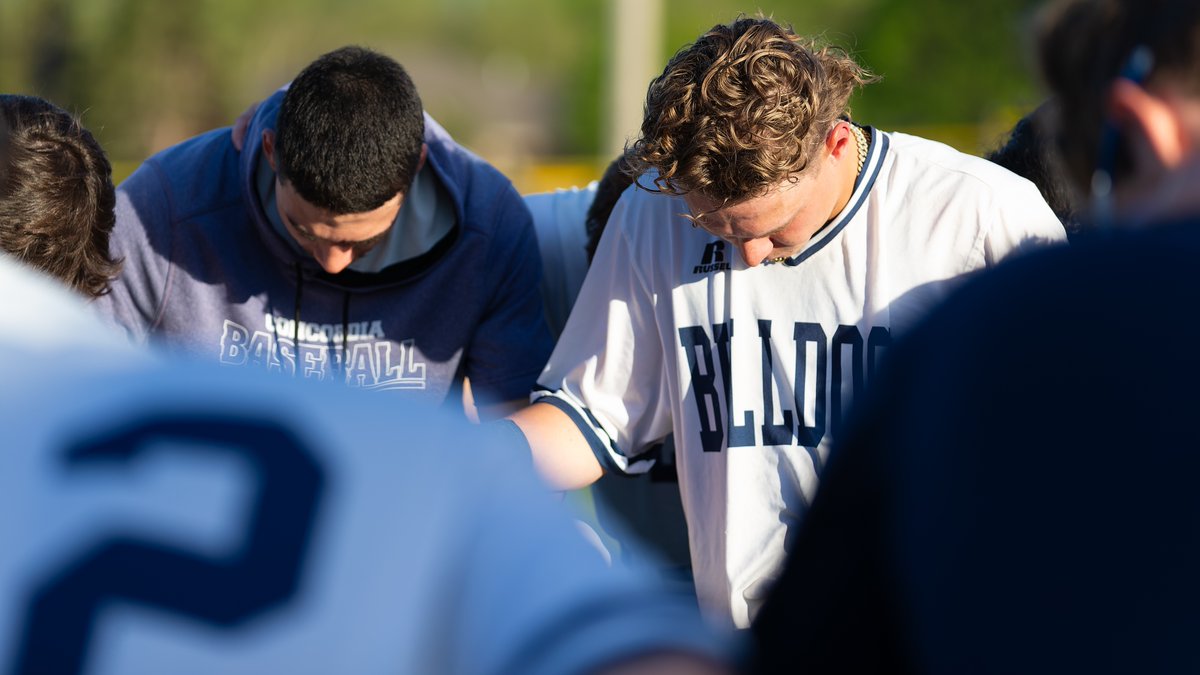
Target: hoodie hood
<point>292,257</point>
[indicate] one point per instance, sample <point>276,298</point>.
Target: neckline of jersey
<point>862,188</point>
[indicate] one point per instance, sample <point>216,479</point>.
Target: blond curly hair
<point>742,109</point>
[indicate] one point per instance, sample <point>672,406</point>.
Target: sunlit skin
<point>779,223</point>
<point>1160,122</point>
<point>334,241</point>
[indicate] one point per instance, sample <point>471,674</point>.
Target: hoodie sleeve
<point>512,342</point>
<point>142,238</point>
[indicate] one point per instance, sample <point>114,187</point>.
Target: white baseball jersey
<point>177,518</point>
<point>754,368</point>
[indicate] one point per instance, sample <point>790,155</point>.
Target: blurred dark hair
<point>614,181</point>
<point>1083,45</point>
<point>1030,153</point>
<point>56,195</point>
<point>349,132</point>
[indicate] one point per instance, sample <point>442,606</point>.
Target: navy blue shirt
<point>1018,493</point>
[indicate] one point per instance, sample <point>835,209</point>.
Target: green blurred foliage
<point>949,63</point>
<point>147,73</point>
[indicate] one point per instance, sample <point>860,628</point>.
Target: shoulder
<point>646,213</point>
<point>194,177</point>
<point>981,206</point>
<point>649,232</point>
<point>483,195</point>
<point>656,225</point>
<point>291,478</point>
<point>39,314</point>
<point>942,169</point>
<point>560,209</point>
<point>560,221</point>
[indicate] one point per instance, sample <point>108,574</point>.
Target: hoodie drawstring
<point>345,331</point>
<point>296,317</point>
<point>296,323</point>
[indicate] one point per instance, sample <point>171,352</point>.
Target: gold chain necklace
<point>860,139</point>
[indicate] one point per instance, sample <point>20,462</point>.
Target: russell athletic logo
<point>713,260</point>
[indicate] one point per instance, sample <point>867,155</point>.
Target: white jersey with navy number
<point>176,518</point>
<point>753,368</point>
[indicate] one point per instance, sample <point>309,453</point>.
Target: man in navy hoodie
<point>352,240</point>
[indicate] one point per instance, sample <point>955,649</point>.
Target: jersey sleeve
<point>510,345</point>
<point>142,239</point>
<point>607,371</point>
<point>1022,220</point>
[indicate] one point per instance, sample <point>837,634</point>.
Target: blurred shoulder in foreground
<point>179,517</point>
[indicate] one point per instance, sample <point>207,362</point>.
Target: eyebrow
<point>777,230</point>
<point>336,242</point>
<point>701,219</point>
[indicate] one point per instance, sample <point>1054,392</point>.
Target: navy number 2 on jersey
<point>261,574</point>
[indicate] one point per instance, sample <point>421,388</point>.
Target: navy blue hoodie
<point>205,271</point>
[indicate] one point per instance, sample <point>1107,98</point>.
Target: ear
<point>268,148</point>
<point>416,170</point>
<point>1157,135</point>
<point>840,140</point>
<point>421,161</point>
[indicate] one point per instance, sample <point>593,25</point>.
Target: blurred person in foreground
<point>56,195</point>
<point>745,288</point>
<point>353,240</point>
<point>1019,492</point>
<point>163,516</point>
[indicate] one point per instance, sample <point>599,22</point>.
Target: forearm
<point>560,451</point>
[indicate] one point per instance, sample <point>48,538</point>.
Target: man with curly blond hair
<point>742,297</point>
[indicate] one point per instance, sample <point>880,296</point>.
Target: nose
<point>333,258</point>
<point>754,251</point>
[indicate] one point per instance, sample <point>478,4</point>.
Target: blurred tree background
<point>522,82</point>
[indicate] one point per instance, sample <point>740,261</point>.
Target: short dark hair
<point>616,178</point>
<point>56,195</point>
<point>349,132</point>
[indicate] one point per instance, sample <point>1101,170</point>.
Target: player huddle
<point>890,456</point>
